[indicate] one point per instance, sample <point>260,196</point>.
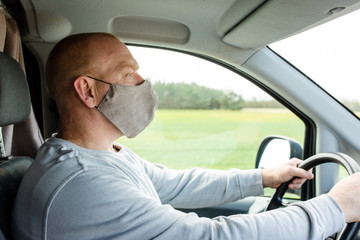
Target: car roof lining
<point>239,23</point>
<point>280,19</point>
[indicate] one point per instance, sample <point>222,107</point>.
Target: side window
<point>208,116</point>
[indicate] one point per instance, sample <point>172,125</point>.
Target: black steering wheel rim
<point>344,160</point>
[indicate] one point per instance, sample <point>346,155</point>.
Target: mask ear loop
<point>99,80</point>
<point>97,107</point>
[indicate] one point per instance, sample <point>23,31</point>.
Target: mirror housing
<point>275,150</point>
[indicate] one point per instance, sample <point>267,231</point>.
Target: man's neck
<point>82,141</point>
<point>88,134</point>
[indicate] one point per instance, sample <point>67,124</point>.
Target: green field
<point>220,139</point>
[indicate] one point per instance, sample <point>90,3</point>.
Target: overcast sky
<point>170,66</point>
<point>329,54</point>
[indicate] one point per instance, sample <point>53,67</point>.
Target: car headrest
<point>15,102</point>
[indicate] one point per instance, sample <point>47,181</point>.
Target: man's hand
<point>347,194</point>
<point>273,177</point>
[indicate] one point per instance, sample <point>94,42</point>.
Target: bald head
<point>87,53</point>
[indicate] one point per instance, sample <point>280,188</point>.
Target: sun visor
<point>275,20</point>
<point>150,29</point>
<point>237,12</point>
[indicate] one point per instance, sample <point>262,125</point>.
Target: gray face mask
<point>129,108</point>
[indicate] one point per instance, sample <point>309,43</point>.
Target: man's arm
<point>311,220</point>
<point>114,206</point>
<point>196,188</point>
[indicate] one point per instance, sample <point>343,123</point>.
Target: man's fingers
<point>301,173</point>
<point>300,176</point>
<point>295,161</point>
<point>298,181</point>
<point>275,176</point>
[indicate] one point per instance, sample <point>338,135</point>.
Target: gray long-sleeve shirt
<point>75,193</point>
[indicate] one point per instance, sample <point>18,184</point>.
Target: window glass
<point>329,55</point>
<point>208,116</point>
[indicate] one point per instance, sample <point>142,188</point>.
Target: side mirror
<point>275,150</point>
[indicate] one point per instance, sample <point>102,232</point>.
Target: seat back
<point>11,173</point>
<point>15,107</point>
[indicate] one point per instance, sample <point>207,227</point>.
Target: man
<point>82,185</point>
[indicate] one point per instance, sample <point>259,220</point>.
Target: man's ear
<point>84,88</point>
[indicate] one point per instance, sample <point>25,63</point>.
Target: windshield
<point>330,55</point>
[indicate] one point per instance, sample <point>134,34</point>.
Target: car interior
<point>232,34</point>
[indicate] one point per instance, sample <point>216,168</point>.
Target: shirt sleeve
<point>315,219</point>
<point>114,207</point>
<point>195,188</point>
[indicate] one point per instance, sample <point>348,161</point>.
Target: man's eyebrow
<point>126,64</point>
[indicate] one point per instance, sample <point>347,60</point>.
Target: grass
<point>219,139</point>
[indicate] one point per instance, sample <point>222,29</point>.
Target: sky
<point>329,54</point>
<point>178,67</point>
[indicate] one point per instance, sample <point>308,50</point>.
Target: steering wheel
<point>351,229</point>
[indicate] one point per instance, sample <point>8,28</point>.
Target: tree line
<point>193,96</point>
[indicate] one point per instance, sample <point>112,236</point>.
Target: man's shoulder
<point>57,157</point>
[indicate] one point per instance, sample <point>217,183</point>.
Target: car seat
<point>15,107</point>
